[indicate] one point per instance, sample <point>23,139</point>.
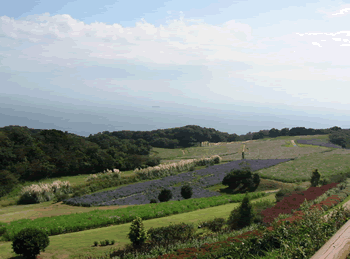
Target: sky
<point>236,66</point>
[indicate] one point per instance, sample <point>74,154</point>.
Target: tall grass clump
<point>164,170</point>
<point>107,174</point>
<point>37,193</point>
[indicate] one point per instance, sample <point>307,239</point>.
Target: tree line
<point>193,135</point>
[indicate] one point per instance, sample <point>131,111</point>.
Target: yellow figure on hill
<point>243,149</point>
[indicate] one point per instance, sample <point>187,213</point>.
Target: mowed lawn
<point>308,158</point>
<point>72,245</point>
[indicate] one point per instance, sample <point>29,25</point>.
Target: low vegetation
<point>256,226</point>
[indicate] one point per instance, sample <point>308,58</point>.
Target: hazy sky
<point>236,66</point>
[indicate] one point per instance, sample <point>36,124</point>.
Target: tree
<point>165,195</point>
<point>242,216</point>
<point>8,181</point>
<point>258,135</point>
<point>30,241</point>
<point>273,133</point>
<point>298,131</point>
<point>186,191</point>
<point>335,128</point>
<point>285,132</point>
<point>315,178</point>
<point>19,135</point>
<point>246,213</point>
<point>242,176</point>
<point>137,235</point>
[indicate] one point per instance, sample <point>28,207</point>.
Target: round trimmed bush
<point>153,201</point>
<point>165,195</point>
<point>186,191</point>
<point>30,241</point>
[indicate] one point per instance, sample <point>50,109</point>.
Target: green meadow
<point>297,172</point>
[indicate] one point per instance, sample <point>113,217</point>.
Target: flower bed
<point>142,193</point>
<point>295,200</point>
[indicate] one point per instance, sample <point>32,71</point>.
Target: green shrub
<point>246,212</point>
<point>8,182</point>
<point>216,160</point>
<point>137,235</point>
<point>214,225</point>
<point>258,219</point>
<point>242,216</point>
<point>241,176</point>
<point>231,180</point>
<point>165,195</point>
<point>102,243</point>
<point>26,198</point>
<point>61,197</point>
<point>164,236</point>
<point>153,161</point>
<point>315,178</point>
<point>112,242</point>
<point>192,168</point>
<point>299,188</point>
<point>30,241</point>
<point>281,194</point>
<point>3,228</point>
<point>256,181</point>
<point>95,243</point>
<point>341,195</point>
<point>346,191</point>
<point>153,201</point>
<point>324,181</point>
<point>81,192</point>
<point>186,191</point>
<point>107,242</point>
<point>233,219</point>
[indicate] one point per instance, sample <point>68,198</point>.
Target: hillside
<point>302,160</point>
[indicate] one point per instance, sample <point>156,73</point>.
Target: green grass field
<point>286,175</point>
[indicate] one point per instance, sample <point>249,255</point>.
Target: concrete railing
<point>338,247</point>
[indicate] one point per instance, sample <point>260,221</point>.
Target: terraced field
<point>328,160</point>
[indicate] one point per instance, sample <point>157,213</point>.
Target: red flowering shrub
<point>294,201</point>
<point>285,206</point>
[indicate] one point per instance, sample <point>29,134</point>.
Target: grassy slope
<point>81,242</point>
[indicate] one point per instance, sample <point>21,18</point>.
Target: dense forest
<point>33,154</point>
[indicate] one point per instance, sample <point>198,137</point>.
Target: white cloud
<point>316,44</point>
<point>335,11</point>
<point>37,42</point>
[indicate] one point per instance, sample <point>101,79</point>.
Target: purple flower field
<point>318,142</point>
<point>141,193</point>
